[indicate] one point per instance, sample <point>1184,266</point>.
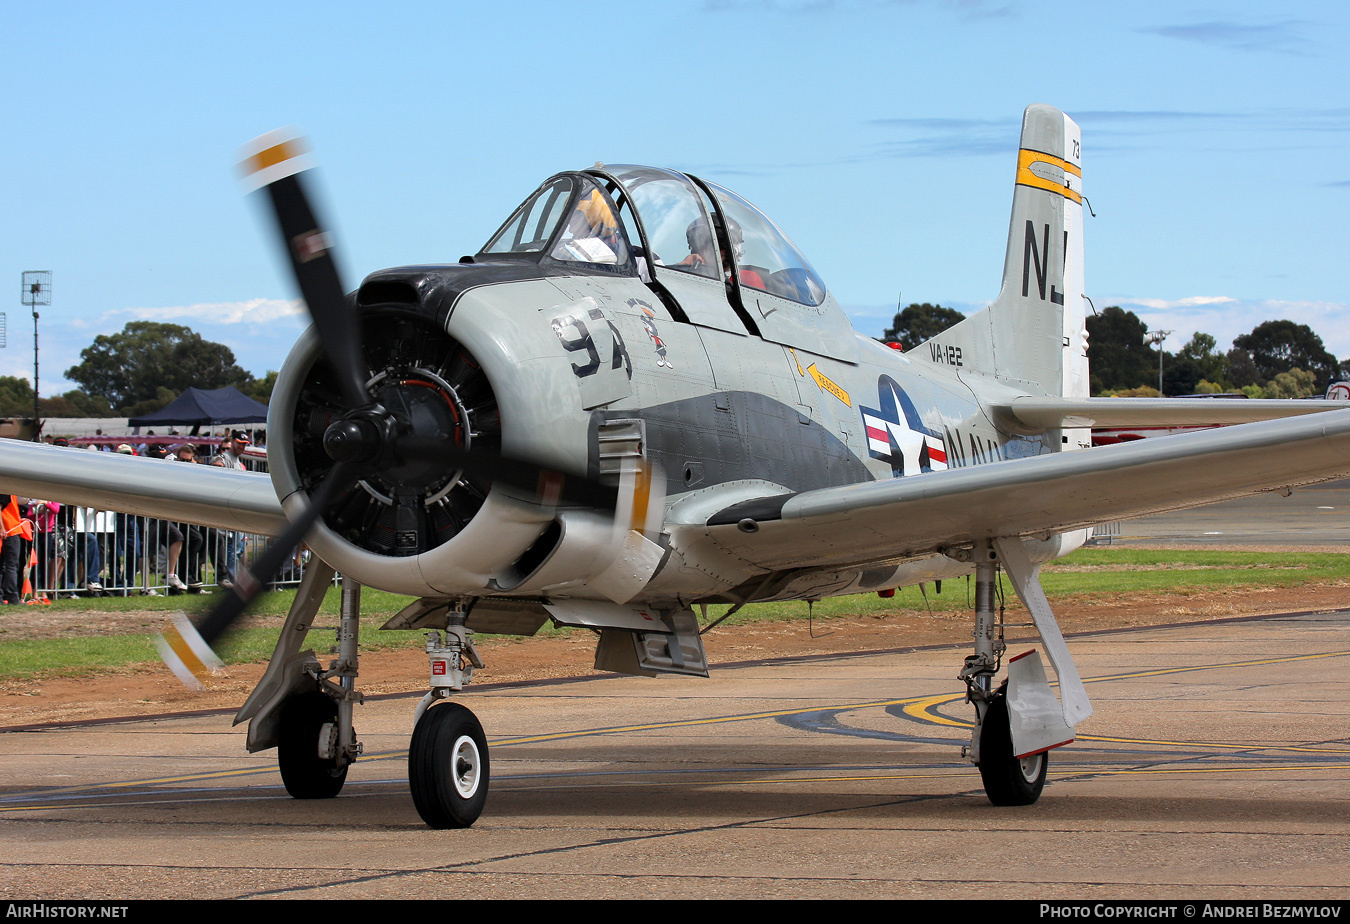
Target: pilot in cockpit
<point>592,234</point>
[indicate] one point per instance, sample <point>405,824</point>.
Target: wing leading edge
<point>1033,414</point>
<point>201,494</point>
<point>904,517</point>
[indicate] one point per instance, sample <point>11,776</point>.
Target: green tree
<point>16,400</point>
<point>261,389</point>
<point>75,403</point>
<point>918,323</point>
<point>1181,375</point>
<point>1200,349</point>
<point>150,405</point>
<point>1279,346</point>
<point>1241,370</point>
<point>16,397</point>
<point>1296,383</point>
<point>1118,358</point>
<point>146,356</point>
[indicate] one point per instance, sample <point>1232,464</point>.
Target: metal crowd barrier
<point>1104,533</point>
<point>79,552</point>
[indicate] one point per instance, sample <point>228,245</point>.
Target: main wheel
<point>1007,780</point>
<point>448,767</point>
<point>304,718</point>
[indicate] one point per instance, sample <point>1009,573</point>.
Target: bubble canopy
<point>670,219</point>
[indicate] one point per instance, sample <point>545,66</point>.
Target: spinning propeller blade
<point>274,162</point>
<point>186,648</point>
<point>367,437</point>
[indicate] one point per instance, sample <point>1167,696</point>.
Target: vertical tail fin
<point>1034,334</point>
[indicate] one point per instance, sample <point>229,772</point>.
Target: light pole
<point>1157,337</point>
<point>37,291</point>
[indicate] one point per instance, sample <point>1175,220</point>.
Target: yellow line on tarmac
<point>918,707</point>
<point>716,720</point>
<point>1136,772</point>
<point>922,708</point>
<point>526,739</point>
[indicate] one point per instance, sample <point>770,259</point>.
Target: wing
<point>904,517</point>
<point>1033,414</point>
<point>200,494</point>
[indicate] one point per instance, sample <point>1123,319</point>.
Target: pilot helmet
<point>736,237</point>
<point>699,237</point>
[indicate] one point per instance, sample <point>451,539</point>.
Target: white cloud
<point>252,311</point>
<point>1180,302</point>
<point>1226,318</point>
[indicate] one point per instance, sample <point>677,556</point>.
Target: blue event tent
<point>206,406</point>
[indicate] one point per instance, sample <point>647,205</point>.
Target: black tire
<point>1007,780</point>
<point>305,773</point>
<point>448,767</point>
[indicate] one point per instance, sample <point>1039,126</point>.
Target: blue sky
<point>880,135</point>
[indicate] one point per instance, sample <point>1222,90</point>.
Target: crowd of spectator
<point>55,550</point>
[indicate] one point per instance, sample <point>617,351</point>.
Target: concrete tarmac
<point>1315,515</point>
<point>1217,765</point>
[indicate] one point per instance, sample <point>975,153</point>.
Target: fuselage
<point>734,389</point>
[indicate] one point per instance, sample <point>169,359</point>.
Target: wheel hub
<point>464,766</point>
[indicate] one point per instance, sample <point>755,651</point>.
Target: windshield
<point>529,229</point>
<point>575,215</point>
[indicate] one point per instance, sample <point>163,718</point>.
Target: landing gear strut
<point>991,747</point>
<point>448,766</point>
<point>316,741</point>
<point>1020,721</point>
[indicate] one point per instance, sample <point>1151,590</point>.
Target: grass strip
<point>1080,578</point>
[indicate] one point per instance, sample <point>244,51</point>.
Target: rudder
<point>1033,334</point>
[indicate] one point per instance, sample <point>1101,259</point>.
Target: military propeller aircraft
<point>639,398</point>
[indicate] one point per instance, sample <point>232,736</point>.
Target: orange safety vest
<point>9,517</point>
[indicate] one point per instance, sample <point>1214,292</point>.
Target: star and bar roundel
<point>896,434</point>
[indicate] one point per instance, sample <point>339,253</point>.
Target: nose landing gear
<point>448,767</point>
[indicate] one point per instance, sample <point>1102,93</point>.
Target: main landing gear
<point>1018,722</point>
<point>315,740</point>
<point>305,712</point>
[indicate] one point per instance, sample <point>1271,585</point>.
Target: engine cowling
<point>407,525</point>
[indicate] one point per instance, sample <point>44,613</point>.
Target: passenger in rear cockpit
<point>701,251</point>
<point>749,277</point>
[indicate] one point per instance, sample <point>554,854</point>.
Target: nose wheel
<point>448,766</point>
